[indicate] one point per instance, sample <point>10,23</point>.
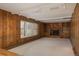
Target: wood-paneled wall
<point>75,30</point>
<point>64,29</point>
<point>1,28</point>
<point>10,30</point>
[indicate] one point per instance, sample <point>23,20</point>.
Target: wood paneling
<point>5,28</point>
<point>75,30</point>
<point>13,30</point>
<point>1,28</point>
<point>42,29</point>
<point>10,30</point>
<point>64,29</point>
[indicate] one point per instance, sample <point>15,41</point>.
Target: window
<point>22,29</point>
<point>28,29</point>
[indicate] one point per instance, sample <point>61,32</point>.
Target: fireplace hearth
<point>54,32</point>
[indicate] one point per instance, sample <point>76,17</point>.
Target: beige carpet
<point>45,47</point>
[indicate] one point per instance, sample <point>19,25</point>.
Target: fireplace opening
<point>54,32</point>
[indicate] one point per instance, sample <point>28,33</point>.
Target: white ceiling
<point>44,12</point>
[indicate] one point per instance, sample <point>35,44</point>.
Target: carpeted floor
<point>45,47</point>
